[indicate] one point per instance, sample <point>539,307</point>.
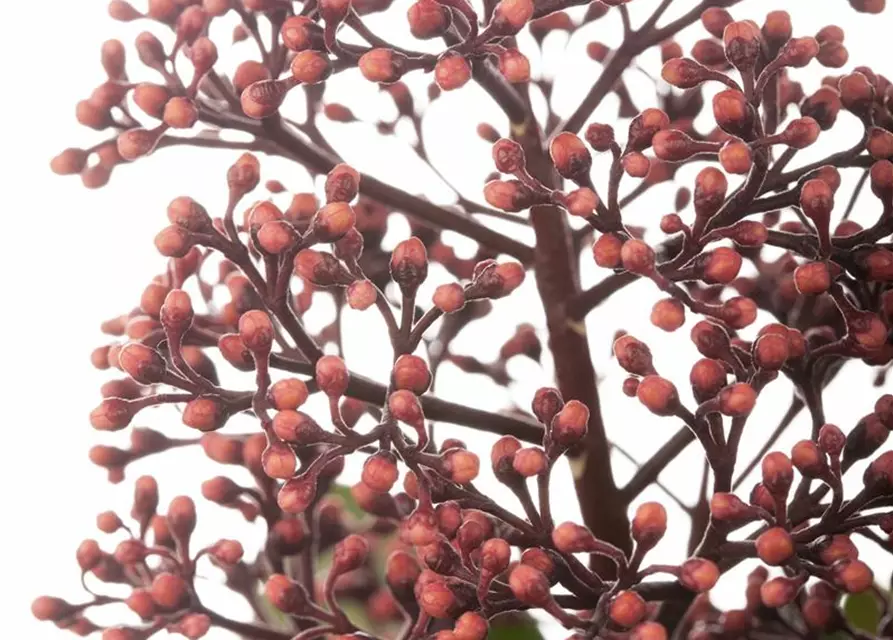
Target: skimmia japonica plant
<point>431,554</point>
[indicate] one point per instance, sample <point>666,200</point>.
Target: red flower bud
<point>297,494</point>
<point>607,251</point>
<point>775,546</point>
<point>285,595</point>
<point>529,462</point>
<point>658,394</point>
<point>737,400</point>
<point>778,473</point>
<point>514,66</point>
<point>569,426</point>
<point>600,136</point>
<point>262,99</point>
<point>798,52</point>
<point>409,265</point>
<point>684,73</point>
<point>627,608</point>
<point>449,298</point>
<point>428,19</point>
<point>508,195</point>
<point>853,576</point>
<point>452,71</point>
<point>300,33</point>
<point>510,16</point>
<point>382,65</point>
<point>350,554</point>
<point>310,67</point>
<point>649,524</point>
<point>380,471</point>
<point>778,592</point>
<point>633,355</point>
<point>698,574</point>
<point>530,586</point>
<point>637,257</point>
<point>668,314</point>
<point>508,156</point>
<point>169,591</point>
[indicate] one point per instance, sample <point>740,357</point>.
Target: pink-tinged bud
<point>404,406</point>
<point>112,414</point>
<point>582,202</point>
<point>227,551</point>
<point>143,364</point>
<point>710,192</point>
<point>137,143</point>
<point>853,576</point>
<point>262,99</point>
<point>636,165</point>
<point>880,143</point>
<point>668,314</point>
<point>297,428</point>
<point>436,598</point>
<point>310,67</point>
<point>684,73</point>
<point>350,554</point>
<point>637,257</point>
<point>727,507</point>
<point>514,66</point>
<point>382,65</point>
<point>361,295</point>
<point>276,236</point>
<point>737,400</point>
<point>421,527</point>
<point>508,156</point>
<point>342,184</point>
<point>205,414</point>
<point>775,546</point>
<point>736,158</point>
<point>461,466</point>
<point>799,52</point>
<point>649,631</point>
<point>644,126</point>
<point>495,555</point>
<point>409,265</point>
<point>428,19</point>
<point>856,93</point>
<point>452,71</point>
<point>633,355</point>
<point>569,427</point>
<point>332,376</point>
<point>510,16</point>
<point>279,461</point>
<point>570,537</point>
<point>711,340</point>
<point>812,278</point>
<point>530,586</point>
<point>297,494</point>
<point>800,133</point>
<point>779,592</point>
<point>627,609</point>
<point>130,552</point>
<point>742,41</point>
<point>778,473</point>
<point>508,195</point>
<point>256,331</point>
<point>449,298</point>
<point>698,574</point>
<point>707,378</point>
<point>836,548</point>
<point>808,458</point>
<point>529,462</point>
<point>169,591</point>
<point>333,221</point>
<point>658,394</point>
<point>334,11</point>
<point>649,524</point>
<point>607,251</point>
<point>285,595</point>
<point>411,372</point>
<point>714,20</point>
<point>878,477</point>
<point>502,453</point>
<point>570,156</point>
<point>300,33</point>
<point>244,175</point>
<point>380,471</point>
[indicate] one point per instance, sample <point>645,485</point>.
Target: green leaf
<point>861,610</point>
<point>520,627</point>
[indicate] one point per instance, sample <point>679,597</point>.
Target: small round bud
<point>529,462</point>
<point>411,372</point>
<point>279,461</point>
<point>698,574</point>
<point>736,157</point>
<point>285,595</point>
<point>633,355</point>
<point>350,554</point>
<point>262,99</point>
<point>404,406</point>
<point>569,426</point>
<point>582,202</point>
<point>668,314</point>
<point>428,19</point>
<point>452,71</point>
<point>812,278</point>
<point>737,400</point>
<point>461,466</point>
<point>778,473</point>
<point>514,66</point>
<point>853,576</point>
<point>380,471</point>
<point>310,67</point>
<point>607,251</point>
<point>775,546</point>
<point>205,414</point>
<point>409,265</point>
<point>742,42</point>
<point>297,494</point>
<point>727,507</point>
<point>530,586</point>
<point>342,184</point>
<point>658,394</point>
<point>510,16</point>
<point>600,136</point>
<point>778,592</point>
<point>332,376</point>
<point>449,298</point>
<point>256,331</point>
<point>143,364</point>
<point>508,156</point>
<point>627,609</point>
<point>649,524</point>
<point>808,458</point>
<point>333,221</point>
<point>168,591</point>
<point>637,257</point>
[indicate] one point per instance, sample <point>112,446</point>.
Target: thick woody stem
<point>557,279</point>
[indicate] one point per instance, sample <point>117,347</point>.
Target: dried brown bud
<point>742,41</point>
<point>409,265</point>
<point>570,156</point>
<point>508,156</point>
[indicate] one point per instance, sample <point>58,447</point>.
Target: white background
<point>72,258</point>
